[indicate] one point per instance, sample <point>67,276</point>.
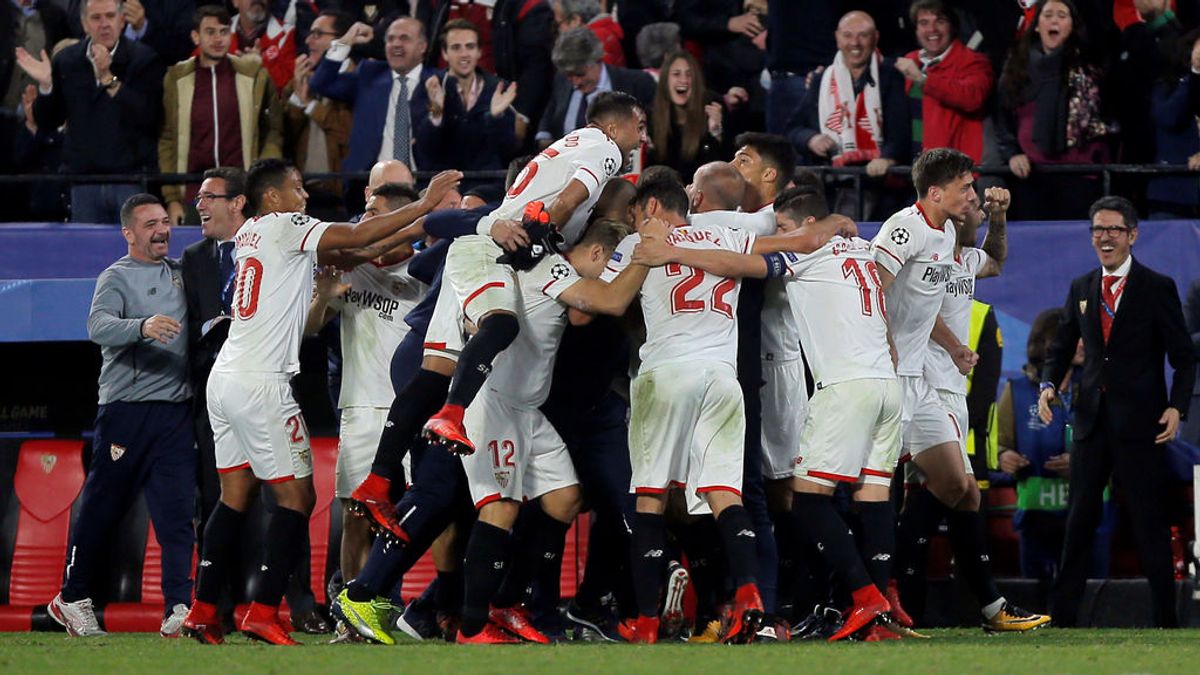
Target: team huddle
<point>784,363</point>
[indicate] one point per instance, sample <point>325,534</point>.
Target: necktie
<point>581,115</point>
<point>226,269</point>
<point>1109,310</point>
<point>401,138</point>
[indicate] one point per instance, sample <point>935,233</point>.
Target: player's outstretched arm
<point>655,252</point>
<point>329,286</point>
<point>810,236</point>
<point>370,230</point>
<point>597,297</point>
<point>348,259</point>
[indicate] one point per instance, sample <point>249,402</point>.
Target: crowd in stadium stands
<point>105,87</point>
<point>401,88</point>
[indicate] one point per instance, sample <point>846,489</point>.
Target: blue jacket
<point>367,88</point>
<point>1176,138</point>
<point>467,140</point>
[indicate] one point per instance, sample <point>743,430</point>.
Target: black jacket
<point>54,21</point>
<point>202,287</point>
<point>106,134</point>
<point>1123,383</point>
<point>633,82</point>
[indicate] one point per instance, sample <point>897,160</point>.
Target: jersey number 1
<point>681,304</point>
<point>868,283</point>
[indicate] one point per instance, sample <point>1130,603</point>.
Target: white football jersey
<point>940,371</point>
<point>780,336</point>
<point>919,254</point>
<point>373,325</point>
<point>690,315</point>
<point>521,374</point>
<point>275,255</point>
<point>585,154</point>
<point>838,304</point>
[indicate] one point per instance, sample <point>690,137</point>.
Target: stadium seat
<point>48,479</point>
<point>144,615</point>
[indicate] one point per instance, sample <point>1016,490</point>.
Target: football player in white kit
<point>373,299</point>
<point>915,251</point>
<point>259,432</point>
<point>852,432</point>
<point>567,178</point>
<point>688,424</point>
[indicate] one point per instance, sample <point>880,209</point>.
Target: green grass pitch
<point>1050,650</point>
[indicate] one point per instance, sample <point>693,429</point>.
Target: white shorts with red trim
<point>852,433</point>
<point>784,407</point>
<point>480,284</point>
<point>358,441</point>
<point>955,405</point>
<point>925,422</point>
<point>687,429</point>
<point>518,454</point>
<point>445,335</point>
<point>257,425</point>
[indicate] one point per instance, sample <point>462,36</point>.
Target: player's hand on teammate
<point>996,201</point>
<point>1011,461</point>
<point>964,358</point>
<point>509,235</point>
<point>846,227</point>
<point>439,187</point>
<point>329,284</point>
<point>161,328</point>
<point>1170,418</point>
<point>652,252</point>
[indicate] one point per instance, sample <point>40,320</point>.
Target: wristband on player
<point>1047,385</point>
<point>776,264</point>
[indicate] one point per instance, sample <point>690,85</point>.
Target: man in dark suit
<point>208,273</point>
<point>578,56</point>
<point>1129,318</point>
<point>383,129</point>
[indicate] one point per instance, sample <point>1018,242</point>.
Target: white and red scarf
<point>856,122</point>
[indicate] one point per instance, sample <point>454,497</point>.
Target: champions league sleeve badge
<point>300,220</point>
<point>899,236</point>
<point>610,166</point>
<point>560,271</point>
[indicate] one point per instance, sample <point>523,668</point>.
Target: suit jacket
<point>633,82</point>
<point>202,288</point>
<point>367,88</point>
<point>1123,382</point>
<point>467,140</point>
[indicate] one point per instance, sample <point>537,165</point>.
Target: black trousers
<point>1139,472</point>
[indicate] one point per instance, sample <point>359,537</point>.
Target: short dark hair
<point>341,20</point>
<point>669,193</point>
<point>937,7</point>
<point>612,104</point>
<point>775,150</point>
<point>460,23</point>
<point>263,175</point>
<point>215,11</point>
<point>1115,203</point>
<point>938,167</point>
<point>800,202</point>
<point>131,204</point>
<point>1041,334</point>
<point>235,179</point>
<point>659,172</point>
<point>608,232</point>
<point>396,194</point>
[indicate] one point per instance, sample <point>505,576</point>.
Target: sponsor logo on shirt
<point>961,287</point>
<point>370,300</point>
<point>936,275</point>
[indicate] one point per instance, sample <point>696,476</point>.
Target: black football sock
<point>373,580</point>
<point>971,559</point>
<point>788,547</point>
<point>449,596</point>
<point>917,524</point>
<point>496,333</point>
<point>418,401</point>
<point>700,539</point>
<point>483,569</point>
<point>739,541</point>
<point>647,560</point>
<point>221,536</point>
<point>832,537</point>
<point>284,544</point>
<point>878,540</point>
<point>536,554</point>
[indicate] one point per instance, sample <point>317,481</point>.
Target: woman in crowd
<point>1050,113</point>
<point>686,126</point>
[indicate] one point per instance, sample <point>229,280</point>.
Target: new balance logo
<point>746,533</point>
<point>820,546</point>
<point>206,563</point>
<point>263,568</point>
<point>653,553</point>
<point>882,557</point>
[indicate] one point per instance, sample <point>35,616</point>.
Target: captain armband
<point>776,265</point>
